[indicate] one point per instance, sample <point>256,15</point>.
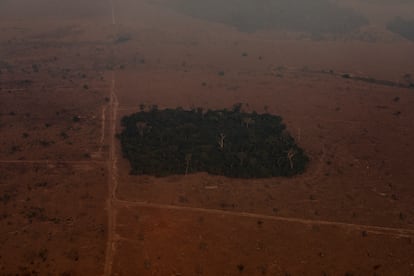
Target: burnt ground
<point>70,207</point>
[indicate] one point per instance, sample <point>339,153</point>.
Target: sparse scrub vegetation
<point>46,143</point>
<point>5,198</point>
<point>64,135</point>
<point>73,255</point>
<point>123,38</point>
<point>32,212</point>
<point>43,254</point>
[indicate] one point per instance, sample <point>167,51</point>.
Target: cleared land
<point>69,206</point>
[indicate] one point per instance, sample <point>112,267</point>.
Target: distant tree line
<point>315,17</point>
<point>403,27</point>
<point>221,142</point>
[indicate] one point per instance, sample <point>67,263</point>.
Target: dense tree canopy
<point>223,142</point>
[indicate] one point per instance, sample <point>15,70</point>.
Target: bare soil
<point>69,206</point>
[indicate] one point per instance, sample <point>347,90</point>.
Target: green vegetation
<point>35,68</point>
<point>5,66</point>
<point>5,198</point>
<point>403,27</point>
<point>64,135</point>
<point>222,142</point>
<point>123,38</point>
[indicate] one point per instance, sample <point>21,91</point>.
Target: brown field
<point>68,205</point>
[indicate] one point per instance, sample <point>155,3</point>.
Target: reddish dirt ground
<point>68,205</point>
<point>51,219</point>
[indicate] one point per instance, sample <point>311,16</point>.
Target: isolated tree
<point>242,156</point>
<point>290,154</point>
<point>141,126</point>
<point>248,121</point>
<point>220,140</point>
<point>188,157</point>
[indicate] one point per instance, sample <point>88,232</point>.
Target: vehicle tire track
<point>381,230</point>
<point>51,162</point>
<point>112,181</point>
